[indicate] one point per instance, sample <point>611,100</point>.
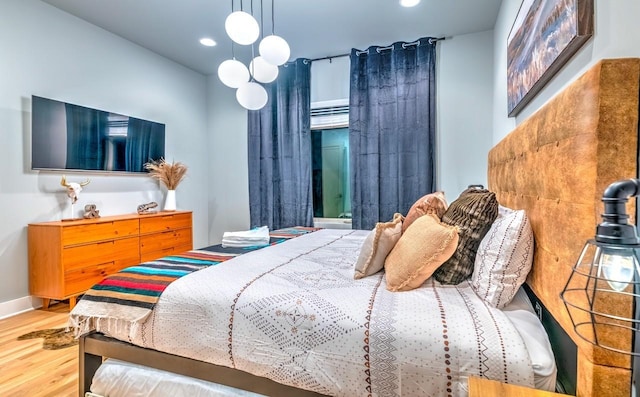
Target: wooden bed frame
<point>556,165</point>
<point>584,139</point>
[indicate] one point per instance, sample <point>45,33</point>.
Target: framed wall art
<point>544,36</point>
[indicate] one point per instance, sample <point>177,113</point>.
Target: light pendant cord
<point>253,65</point>
<point>261,19</point>
<point>233,53</point>
<point>273,19</point>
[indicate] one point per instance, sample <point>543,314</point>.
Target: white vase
<point>170,201</point>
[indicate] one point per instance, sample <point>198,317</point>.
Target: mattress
<point>293,313</point>
<point>521,313</point>
<point>116,378</point>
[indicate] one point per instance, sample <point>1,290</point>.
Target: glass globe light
<point>262,70</point>
<point>275,50</point>
<point>233,73</point>
<point>618,268</point>
<point>252,96</point>
<point>242,27</point>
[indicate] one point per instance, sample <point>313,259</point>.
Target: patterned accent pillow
<point>473,212</point>
<point>432,203</point>
<point>377,246</point>
<point>425,246</point>
<point>504,258</point>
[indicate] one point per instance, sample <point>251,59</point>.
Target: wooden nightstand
<point>480,387</point>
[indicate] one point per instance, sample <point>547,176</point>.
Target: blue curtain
<point>391,129</point>
<point>280,152</point>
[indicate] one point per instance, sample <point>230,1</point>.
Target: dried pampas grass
<point>170,174</point>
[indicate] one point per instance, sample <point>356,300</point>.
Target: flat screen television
<point>71,137</point>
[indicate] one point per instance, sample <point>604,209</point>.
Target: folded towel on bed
<point>254,237</point>
<point>131,294</point>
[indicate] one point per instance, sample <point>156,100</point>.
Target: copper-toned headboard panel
<point>556,165</point>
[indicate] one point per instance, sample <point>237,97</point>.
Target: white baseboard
<point>20,305</point>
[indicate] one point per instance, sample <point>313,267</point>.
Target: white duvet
<point>293,313</point>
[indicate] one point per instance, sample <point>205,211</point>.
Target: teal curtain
<point>391,129</point>
<point>279,138</point>
<point>143,140</point>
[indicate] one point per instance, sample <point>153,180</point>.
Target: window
<point>330,159</point>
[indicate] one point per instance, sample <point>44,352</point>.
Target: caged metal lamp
<point>603,291</point>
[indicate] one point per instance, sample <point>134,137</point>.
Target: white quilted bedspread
<point>293,313</point>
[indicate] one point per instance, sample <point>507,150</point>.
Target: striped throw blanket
<point>132,293</point>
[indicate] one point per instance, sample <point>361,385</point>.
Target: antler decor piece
<point>73,190</point>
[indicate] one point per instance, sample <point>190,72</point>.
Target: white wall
<point>228,161</point>
<point>330,79</point>
<point>616,35</point>
<point>465,86</point>
<point>49,53</point>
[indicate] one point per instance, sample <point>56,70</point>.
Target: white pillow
<point>504,258</point>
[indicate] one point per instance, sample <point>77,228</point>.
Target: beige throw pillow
<point>433,203</point>
<point>377,246</point>
<point>423,247</point>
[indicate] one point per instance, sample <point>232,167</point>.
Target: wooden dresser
<point>68,257</point>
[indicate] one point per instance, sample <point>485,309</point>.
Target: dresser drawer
<point>149,256</point>
<point>121,251</point>
<point>86,233</point>
<point>165,240</point>
<point>80,280</point>
<point>156,224</point>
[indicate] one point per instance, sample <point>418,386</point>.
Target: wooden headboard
<point>556,165</point>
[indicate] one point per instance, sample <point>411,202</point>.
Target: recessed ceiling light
<point>209,42</point>
<point>409,3</point>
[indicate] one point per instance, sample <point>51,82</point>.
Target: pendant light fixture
<point>252,96</point>
<point>263,71</point>
<point>243,29</point>
<point>274,49</point>
<point>233,73</point>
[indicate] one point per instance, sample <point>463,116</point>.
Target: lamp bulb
<point>262,70</point>
<point>242,27</point>
<point>252,96</point>
<point>233,73</point>
<point>618,269</point>
<point>275,50</point>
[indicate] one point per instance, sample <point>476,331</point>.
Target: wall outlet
<point>538,310</point>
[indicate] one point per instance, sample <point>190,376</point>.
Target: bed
<point>583,139</point>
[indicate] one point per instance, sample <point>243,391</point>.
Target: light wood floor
<point>28,370</point>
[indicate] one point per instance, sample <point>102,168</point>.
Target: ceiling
<point>172,28</point>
